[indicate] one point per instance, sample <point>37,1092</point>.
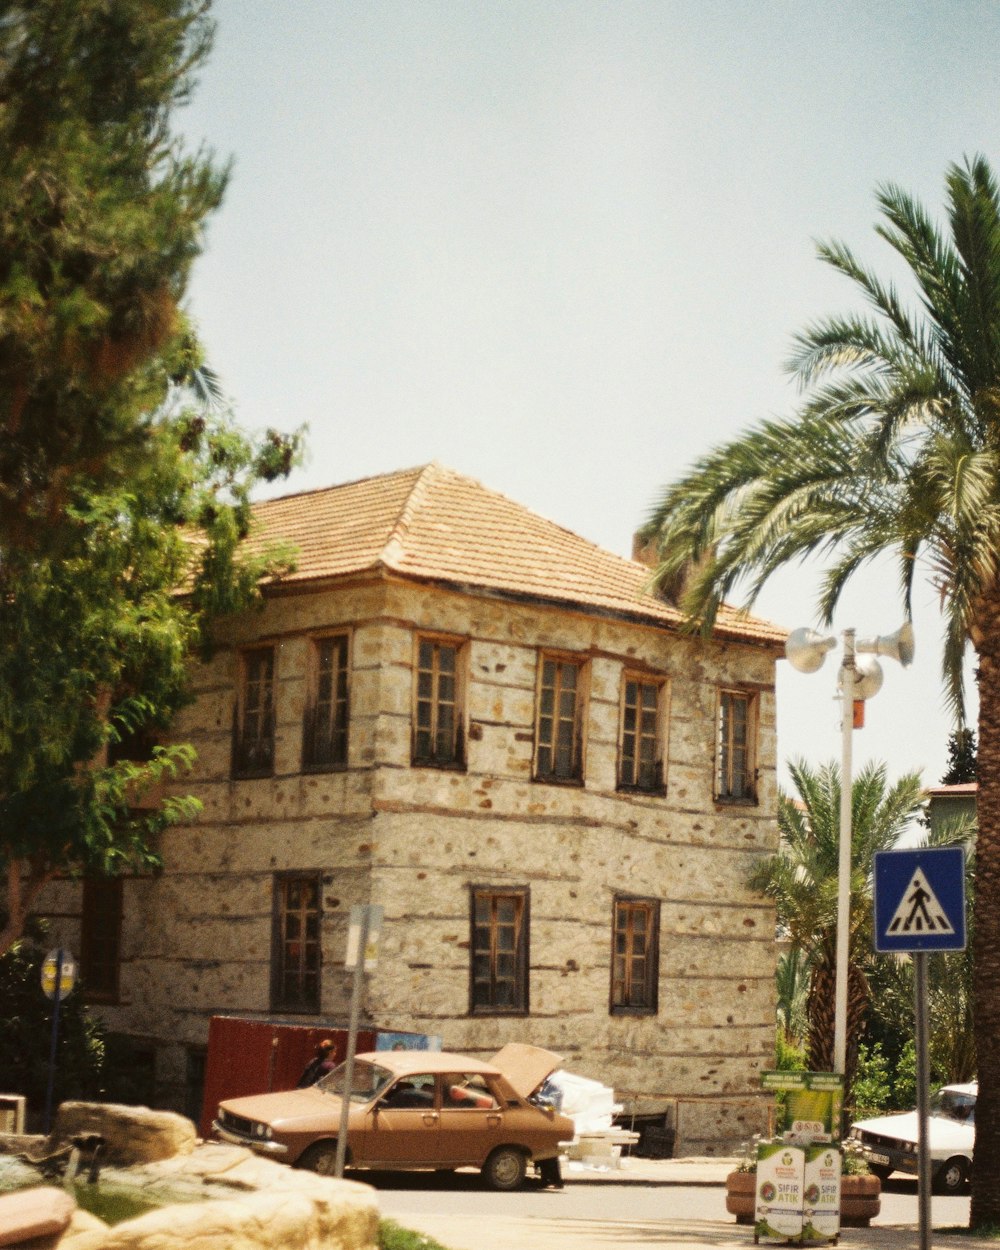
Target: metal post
<point>847,676</point>
<point>52,1044</point>
<point>920,1012</point>
<point>352,1038</point>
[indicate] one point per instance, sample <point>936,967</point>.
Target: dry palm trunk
<point>822,1007</point>
<point>986,934</point>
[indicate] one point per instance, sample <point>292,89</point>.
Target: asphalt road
<point>459,1212</point>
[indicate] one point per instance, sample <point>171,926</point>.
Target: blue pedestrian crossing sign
<point>920,899</point>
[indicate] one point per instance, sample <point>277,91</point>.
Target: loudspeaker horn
<point>805,649</point>
<point>898,646</point>
<point>867,677</point>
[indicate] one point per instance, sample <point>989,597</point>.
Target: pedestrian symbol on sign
<point>919,910</point>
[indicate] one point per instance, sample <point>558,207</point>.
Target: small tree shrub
<point>26,1032</point>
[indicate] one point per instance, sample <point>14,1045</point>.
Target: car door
<point>471,1118</point>
<point>401,1128</point>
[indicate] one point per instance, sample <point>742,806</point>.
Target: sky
<point>563,246</point>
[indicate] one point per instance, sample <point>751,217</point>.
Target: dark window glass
<point>499,950</point>
<point>558,732</point>
<point>100,938</point>
<point>640,762</point>
<point>325,734</point>
<point>295,956</point>
<point>735,779</point>
<point>437,731</point>
<point>253,747</point>
<point>634,956</point>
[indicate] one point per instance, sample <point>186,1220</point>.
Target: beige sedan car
<point>411,1109</point>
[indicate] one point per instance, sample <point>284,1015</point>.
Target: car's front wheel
<point>505,1168</point>
<point>320,1157</point>
<point>952,1177</point>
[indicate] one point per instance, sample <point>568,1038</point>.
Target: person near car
<point>549,1094</point>
<point>319,1065</point>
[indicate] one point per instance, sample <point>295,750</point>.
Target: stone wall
<point>196,940</point>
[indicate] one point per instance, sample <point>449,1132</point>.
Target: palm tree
<point>791,983</point>
<point>896,449</point>
<point>802,880</point>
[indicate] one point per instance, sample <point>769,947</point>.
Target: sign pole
<point>922,1023</point>
<point>352,1038</point>
<point>920,907</point>
<point>56,999</point>
<point>848,672</point>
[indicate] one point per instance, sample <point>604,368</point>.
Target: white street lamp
<point>860,679</point>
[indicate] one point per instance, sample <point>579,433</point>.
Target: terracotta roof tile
<point>433,524</point>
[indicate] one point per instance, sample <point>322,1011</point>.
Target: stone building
<point>487,725</point>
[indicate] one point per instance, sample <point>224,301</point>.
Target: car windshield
<point>367,1081</point>
<point>953,1105</point>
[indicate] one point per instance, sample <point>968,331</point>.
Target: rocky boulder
<point>131,1134</point>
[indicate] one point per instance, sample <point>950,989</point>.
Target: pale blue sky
<point>562,246</point>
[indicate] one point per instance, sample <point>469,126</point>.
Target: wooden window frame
<point>548,747</point>
<point>629,766</point>
<point>254,758</point>
<point>299,1003</point>
<point>728,747</point>
<point>101,912</point>
<point>486,1005</point>
<point>337,720</point>
<point>624,961</point>
<point>455,755</point>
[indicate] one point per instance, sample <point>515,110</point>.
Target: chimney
<point>644,550</point>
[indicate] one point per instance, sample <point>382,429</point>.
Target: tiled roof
<point>433,524</point>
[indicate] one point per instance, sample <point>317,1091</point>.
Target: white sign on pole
<point>370,959</point>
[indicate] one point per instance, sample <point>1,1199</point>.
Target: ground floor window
<point>634,962</point>
<point>295,949</point>
<point>499,950</point>
<point>100,938</point>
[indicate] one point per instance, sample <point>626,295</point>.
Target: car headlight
<point>262,1132</point>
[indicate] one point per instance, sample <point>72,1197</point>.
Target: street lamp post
<point>860,679</point>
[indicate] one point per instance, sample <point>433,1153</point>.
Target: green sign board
<point>811,1106</point>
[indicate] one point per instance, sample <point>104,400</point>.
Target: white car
<point>890,1141</point>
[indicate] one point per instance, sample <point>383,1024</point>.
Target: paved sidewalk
<point>702,1170</point>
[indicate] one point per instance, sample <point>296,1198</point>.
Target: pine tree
<point>119,484</point>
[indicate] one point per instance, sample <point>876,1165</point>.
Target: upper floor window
<point>634,962</point>
<point>295,945</point>
<point>324,738</point>
<point>100,938</point>
<point>499,950</point>
<point>438,724</point>
<point>559,724</point>
<point>736,751</point>
<point>253,739</point>
<point>640,748</point>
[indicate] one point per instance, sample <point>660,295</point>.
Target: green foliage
<point>25,1039</point>
<point>791,979</point>
<point>788,1057</point>
<point>872,1088</point>
<point>101,216</point>
<point>803,881</point>
<point>392,1236</point>
<point>962,752</point>
<point>124,484</point>
<point>893,449</point>
<point>893,453</point>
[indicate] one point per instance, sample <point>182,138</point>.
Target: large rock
<point>131,1134</point>
<point>292,1220</point>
